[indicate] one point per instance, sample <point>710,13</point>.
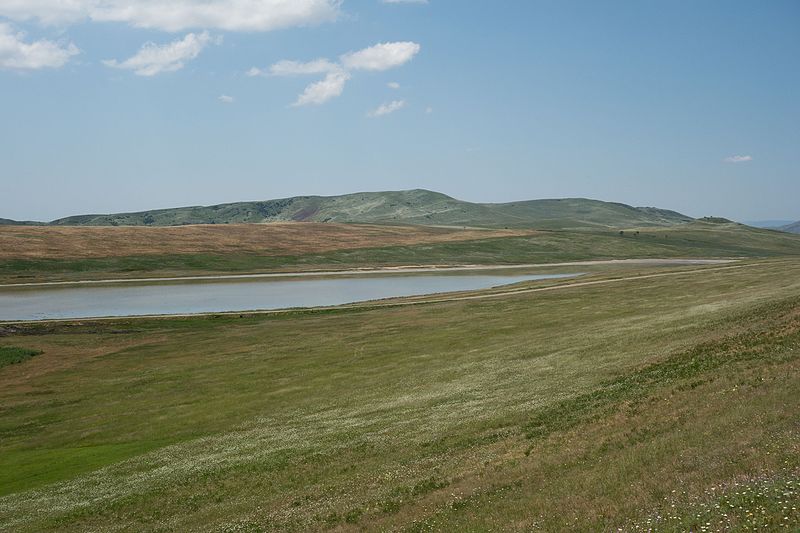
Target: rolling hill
<point>791,228</point>
<point>400,207</point>
<point>768,224</point>
<point>9,222</point>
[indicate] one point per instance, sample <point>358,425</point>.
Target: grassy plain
<point>277,239</point>
<point>31,254</point>
<point>663,402</point>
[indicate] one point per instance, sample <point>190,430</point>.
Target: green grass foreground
<point>667,403</point>
<point>11,355</point>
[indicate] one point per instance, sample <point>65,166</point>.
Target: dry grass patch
<point>74,242</point>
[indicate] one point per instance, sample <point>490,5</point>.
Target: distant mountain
<point>791,228</point>
<point>771,224</point>
<point>400,207</point>
<point>9,222</point>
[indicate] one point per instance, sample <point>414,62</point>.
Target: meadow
<point>665,402</point>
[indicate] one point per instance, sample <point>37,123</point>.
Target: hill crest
<point>791,228</point>
<point>415,206</point>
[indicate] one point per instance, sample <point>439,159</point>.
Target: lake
<point>68,302</point>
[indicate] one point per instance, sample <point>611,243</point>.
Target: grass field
<point>278,239</point>
<point>31,254</point>
<point>666,403</point>
<point>10,355</point>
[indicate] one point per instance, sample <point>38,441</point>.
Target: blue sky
<point>688,105</point>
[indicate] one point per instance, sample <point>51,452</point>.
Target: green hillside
<point>407,207</point>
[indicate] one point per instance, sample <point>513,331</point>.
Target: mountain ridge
<point>794,227</point>
<point>416,206</point>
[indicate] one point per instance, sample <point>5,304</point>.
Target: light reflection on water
<point>183,298</point>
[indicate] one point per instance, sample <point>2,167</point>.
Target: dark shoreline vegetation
<point>665,403</point>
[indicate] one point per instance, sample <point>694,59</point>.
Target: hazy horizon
<point>683,106</point>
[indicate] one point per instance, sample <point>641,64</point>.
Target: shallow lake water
<point>39,303</point>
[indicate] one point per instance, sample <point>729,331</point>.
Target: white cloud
<point>382,56</point>
<point>322,91</point>
<point>178,15</point>
<point>296,68</point>
<point>15,53</point>
<point>48,12</point>
<point>738,159</point>
<point>385,109</point>
<point>393,85</point>
<point>154,59</point>
<point>225,99</point>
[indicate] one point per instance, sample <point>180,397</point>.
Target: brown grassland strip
<point>65,242</point>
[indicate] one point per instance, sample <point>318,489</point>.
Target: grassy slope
<point>400,207</point>
<point>697,239</point>
<point>580,409</point>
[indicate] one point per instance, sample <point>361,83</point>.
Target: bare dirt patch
<point>63,242</point>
